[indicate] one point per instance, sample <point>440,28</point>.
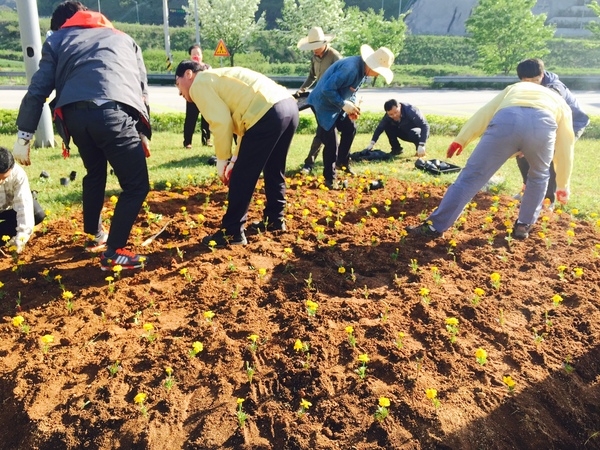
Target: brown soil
<point>68,398</point>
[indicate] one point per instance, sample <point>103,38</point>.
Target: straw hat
<point>315,39</point>
<point>379,60</point>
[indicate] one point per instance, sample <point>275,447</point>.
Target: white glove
<point>370,146</point>
<point>421,150</point>
<point>145,144</point>
<point>228,170</point>
<point>221,166</point>
<point>21,151</point>
<point>350,108</point>
<point>19,243</point>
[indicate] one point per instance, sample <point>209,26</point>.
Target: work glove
<point>18,243</point>
<point>562,195</point>
<point>21,151</point>
<point>350,108</point>
<point>421,150</point>
<point>371,145</point>
<point>221,167</point>
<point>228,170</point>
<point>455,147</point>
<point>145,144</point>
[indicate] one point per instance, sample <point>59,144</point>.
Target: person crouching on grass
<point>524,118</point>
<point>264,116</point>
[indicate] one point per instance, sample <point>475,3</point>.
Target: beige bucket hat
<point>379,60</point>
<point>315,39</point>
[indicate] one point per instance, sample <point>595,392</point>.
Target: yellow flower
<point>311,305</point>
<point>253,337</point>
<point>341,269</point>
<point>452,321</point>
<point>480,353</point>
<point>384,402</point>
<point>183,271</point>
<point>479,292</point>
<point>114,199</point>
<point>364,358</point>
<point>305,404</point>
<point>6,238</point>
<point>197,347</point>
<point>183,209</point>
<point>349,329</point>
<point>262,272</point>
<point>495,277</point>
<point>260,202</point>
<point>431,393</point>
<point>169,371</point>
<point>45,272</point>
<point>577,271</point>
<point>208,315</point>
<point>240,401</point>
<point>67,295</point>
<point>58,277</point>
<point>287,251</point>
<point>117,268</point>
<point>507,380</point>
<point>18,320</point>
<point>562,268</point>
<point>557,299</point>
<point>570,233</point>
<point>109,279</point>
<point>148,327</point>
<point>47,339</point>
<point>140,398</point>
<point>298,345</point>
<point>424,291</point>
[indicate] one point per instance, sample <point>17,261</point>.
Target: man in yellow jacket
<point>264,117</point>
<point>524,118</point>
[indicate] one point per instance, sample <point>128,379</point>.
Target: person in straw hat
<point>323,57</point>
<point>333,99</point>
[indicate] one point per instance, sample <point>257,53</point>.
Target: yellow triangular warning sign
<point>221,49</point>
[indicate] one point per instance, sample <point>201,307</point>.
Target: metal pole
<point>137,11</point>
<point>31,42</point>
<point>99,10</point>
<point>399,9</point>
<point>197,22</point>
<point>167,38</point>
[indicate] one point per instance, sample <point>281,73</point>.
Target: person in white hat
<point>323,57</point>
<point>333,96</point>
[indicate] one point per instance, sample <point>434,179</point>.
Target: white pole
<point>399,9</point>
<point>99,10</point>
<point>197,22</point>
<point>31,42</point>
<point>167,39</point>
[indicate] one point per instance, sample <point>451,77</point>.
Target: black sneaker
<point>423,230</point>
<point>306,170</point>
<point>397,151</point>
<point>124,258</point>
<point>521,230</point>
<point>96,244</point>
<point>220,239</point>
<point>265,225</point>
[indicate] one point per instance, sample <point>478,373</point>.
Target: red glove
<point>562,195</point>
<point>145,145</point>
<point>455,147</point>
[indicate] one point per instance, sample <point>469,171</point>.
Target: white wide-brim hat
<point>379,60</point>
<point>315,39</point>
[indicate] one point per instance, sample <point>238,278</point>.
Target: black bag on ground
<point>436,167</point>
<point>370,155</point>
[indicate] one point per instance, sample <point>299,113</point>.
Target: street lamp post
<point>137,11</point>
<point>399,9</point>
<point>99,10</point>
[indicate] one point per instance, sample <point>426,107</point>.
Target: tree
<point>231,20</point>
<point>594,27</point>
<point>370,27</point>
<point>505,32</point>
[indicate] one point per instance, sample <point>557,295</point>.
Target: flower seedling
<point>495,280</point>
<point>351,338</point>
<point>557,300</point>
<point>382,409</point>
<point>169,380</point>
<point>432,395</point>
<point>249,372</point>
<point>111,284</point>
<point>304,405</point>
<point>208,316</point>
<point>567,365</point>
<point>414,266</point>
<point>436,275</point>
<point>577,272</point>
<point>114,368</point>
<point>212,245</point>
<point>309,282</point>
<point>399,340</point>
<point>478,293</point>
<point>262,273</point>
<point>186,274</point>
<point>240,414</point>
<point>385,315</point>
<point>509,382</point>
<point>304,347</point>
<point>46,340</point>
<point>68,297</point>
<point>19,321</point>
<point>424,293</point>
<point>311,308</point>
<point>150,334</point>
<point>140,399</point>
<point>197,347</point>
<point>253,342</point>
<point>538,338</point>
<point>509,238</point>
<point>481,356</point>
<point>452,328</point>
<point>561,272</point>
<point>362,369</point>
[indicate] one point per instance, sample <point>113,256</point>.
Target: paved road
<point>442,102</point>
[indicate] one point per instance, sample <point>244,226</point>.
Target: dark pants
<point>107,135</point>
<point>263,148</point>
<point>189,125</point>
<point>524,168</point>
<point>334,155</point>
<point>8,219</point>
<point>394,134</point>
<point>315,148</point>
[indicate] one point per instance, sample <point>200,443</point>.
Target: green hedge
<point>440,125</point>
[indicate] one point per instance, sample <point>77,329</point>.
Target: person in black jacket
<point>402,122</point>
<point>191,110</point>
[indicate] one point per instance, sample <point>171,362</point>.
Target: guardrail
<point>500,82</point>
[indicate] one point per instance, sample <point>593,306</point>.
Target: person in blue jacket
<point>580,122</point>
<point>333,98</point>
